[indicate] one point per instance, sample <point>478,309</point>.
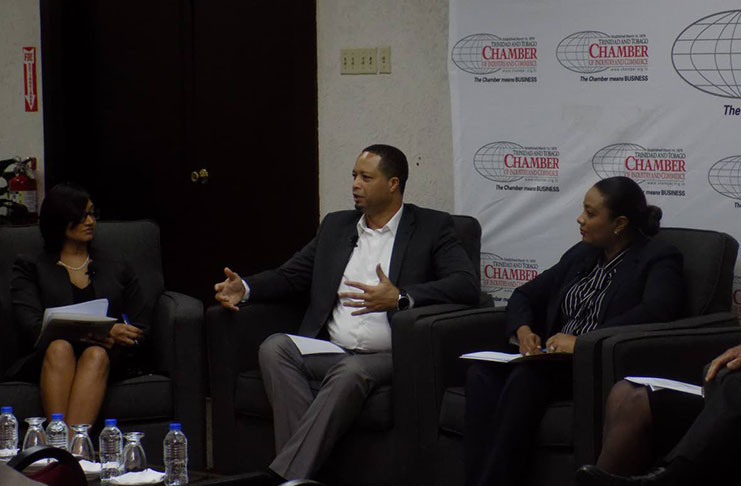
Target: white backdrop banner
<point>550,96</point>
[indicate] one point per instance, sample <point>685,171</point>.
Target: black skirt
<point>125,362</point>
<point>672,412</point>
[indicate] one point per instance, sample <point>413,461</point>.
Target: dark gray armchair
<point>380,447</point>
<point>148,403</point>
<point>570,432</point>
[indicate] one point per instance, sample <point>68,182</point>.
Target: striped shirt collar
<point>615,260</point>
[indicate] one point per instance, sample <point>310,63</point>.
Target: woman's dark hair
<point>624,197</point>
<point>63,204</point>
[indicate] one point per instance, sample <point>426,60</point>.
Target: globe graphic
<point>489,161</point>
<point>468,53</point>
<point>725,176</point>
<point>610,161</point>
<point>573,51</point>
<point>707,54</point>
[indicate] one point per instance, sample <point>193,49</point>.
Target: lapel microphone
<point>92,269</point>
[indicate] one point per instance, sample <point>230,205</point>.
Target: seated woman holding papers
<point>689,440</point>
<point>74,372</point>
<point>615,276</point>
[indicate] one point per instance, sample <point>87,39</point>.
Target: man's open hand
<point>373,298</point>
<point>230,291</point>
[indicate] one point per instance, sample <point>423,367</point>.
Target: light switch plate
<point>384,60</point>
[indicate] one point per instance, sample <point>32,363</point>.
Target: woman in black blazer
<point>74,374</point>
<point>615,276</point>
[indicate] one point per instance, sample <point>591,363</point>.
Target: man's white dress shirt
<point>368,332</point>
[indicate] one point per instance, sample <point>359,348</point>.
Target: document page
<point>495,356</point>
<point>97,307</point>
<point>75,321</point>
<point>499,357</point>
<point>664,383</point>
<point>314,346</point>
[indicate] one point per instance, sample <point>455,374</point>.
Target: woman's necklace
<point>74,269</point>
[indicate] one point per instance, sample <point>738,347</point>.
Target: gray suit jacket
<point>427,261</point>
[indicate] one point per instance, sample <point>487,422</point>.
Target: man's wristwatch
<point>403,303</point>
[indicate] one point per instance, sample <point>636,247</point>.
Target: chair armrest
<point>677,355</point>
<point>596,369</point>
<point>430,340</point>
<point>180,354</point>
<point>178,328</point>
<point>233,339</point>
<point>236,336</point>
<point>426,346</point>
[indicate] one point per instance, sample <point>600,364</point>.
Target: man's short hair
<point>393,163</point>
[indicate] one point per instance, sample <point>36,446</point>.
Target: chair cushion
<point>147,397</point>
<point>555,428</point>
<point>250,399</point>
<point>23,396</point>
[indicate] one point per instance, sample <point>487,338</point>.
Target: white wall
<point>409,108</point>
<point>21,133</point>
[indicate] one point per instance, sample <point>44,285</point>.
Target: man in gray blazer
<point>361,268</point>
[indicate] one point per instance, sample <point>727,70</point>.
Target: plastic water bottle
<point>110,444</point>
<point>57,433</point>
<point>175,448</point>
<point>8,434</point>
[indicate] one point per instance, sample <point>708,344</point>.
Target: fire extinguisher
<point>22,188</point>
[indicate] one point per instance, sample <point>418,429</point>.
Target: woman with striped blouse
<point>615,276</point>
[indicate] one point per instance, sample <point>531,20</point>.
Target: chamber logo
<point>725,176</point>
<point>665,166</point>
<point>510,162</point>
<point>707,54</point>
<point>488,54</point>
<point>500,276</point>
<point>590,52</point>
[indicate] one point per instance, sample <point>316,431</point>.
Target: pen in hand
<point>126,321</point>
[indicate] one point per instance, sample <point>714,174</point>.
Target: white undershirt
<point>368,332</point>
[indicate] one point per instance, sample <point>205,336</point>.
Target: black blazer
<point>647,287</point>
<point>427,261</point>
<point>38,282</point>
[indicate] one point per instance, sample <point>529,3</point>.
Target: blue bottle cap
<point>6,410</point>
<point>57,416</point>
<point>110,422</point>
<point>175,426</point>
